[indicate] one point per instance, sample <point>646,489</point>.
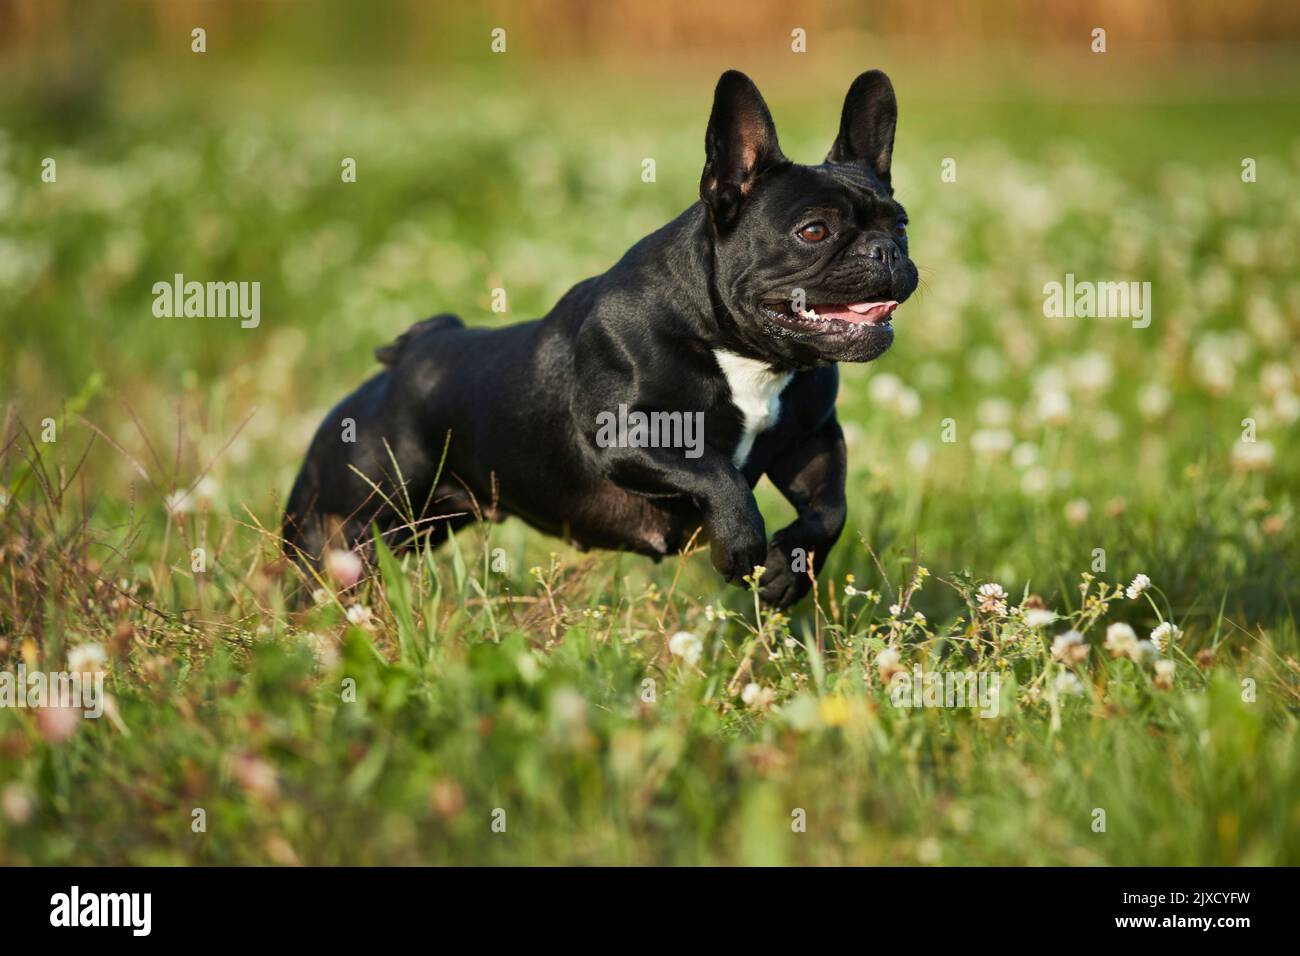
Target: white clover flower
<point>182,500</point>
<point>16,801</point>
<point>1068,683</point>
<point>324,649</point>
<point>1091,372</point>
<point>359,615</point>
<point>1069,647</point>
<point>929,852</point>
<point>1164,676</point>
<point>207,489</point>
<point>1275,377</point>
<point>687,646</point>
<point>569,709</point>
<point>1035,481</point>
<point>1216,372</point>
<point>1252,455</point>
<point>1144,653</point>
<point>889,392</point>
<point>889,663</point>
<point>1106,426</point>
<point>991,441</point>
<point>1039,617</point>
<point>1053,407</point>
<point>919,454</point>
<point>1165,634</point>
<point>1286,405</point>
<point>995,411</point>
<point>1121,640</point>
<point>1076,511</point>
<point>1024,455</point>
<point>1153,401</point>
<point>985,364</point>
<point>884,388</point>
<point>86,657</point>
<point>1140,584</point>
<point>908,403</point>
<point>758,698</point>
<point>854,435</point>
<point>993,600</point>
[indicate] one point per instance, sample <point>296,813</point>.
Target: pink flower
<point>56,725</point>
<point>343,567</point>
<point>259,779</point>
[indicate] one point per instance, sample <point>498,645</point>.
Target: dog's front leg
<point>732,521</point>
<point>811,475</point>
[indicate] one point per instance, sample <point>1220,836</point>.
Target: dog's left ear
<point>867,125</point>
<point>740,144</point>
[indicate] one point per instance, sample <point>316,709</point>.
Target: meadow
<point>1030,498</point>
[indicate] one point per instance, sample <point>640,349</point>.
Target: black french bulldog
<point>738,310</point>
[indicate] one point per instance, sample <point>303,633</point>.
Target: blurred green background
<point>522,170</point>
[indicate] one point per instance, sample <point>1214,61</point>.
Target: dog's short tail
<point>390,353</point>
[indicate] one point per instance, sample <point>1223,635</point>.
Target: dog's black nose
<point>884,249</point>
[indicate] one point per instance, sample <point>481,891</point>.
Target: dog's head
<point>810,261</point>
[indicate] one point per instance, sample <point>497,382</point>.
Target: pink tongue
<point>871,313</point>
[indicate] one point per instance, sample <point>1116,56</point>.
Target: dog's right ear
<point>867,125</point>
<point>739,146</point>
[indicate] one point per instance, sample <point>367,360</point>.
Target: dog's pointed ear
<point>739,146</point>
<point>867,125</point>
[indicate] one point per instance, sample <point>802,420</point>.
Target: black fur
<point>520,403</point>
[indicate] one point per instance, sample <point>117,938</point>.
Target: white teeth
<point>809,314</point>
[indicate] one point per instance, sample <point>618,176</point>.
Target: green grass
<point>525,690</point>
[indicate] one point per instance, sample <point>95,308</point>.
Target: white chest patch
<point>756,392</point>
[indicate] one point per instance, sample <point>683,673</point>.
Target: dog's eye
<point>814,232</point>
<point>900,228</point>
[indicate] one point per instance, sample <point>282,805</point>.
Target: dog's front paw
<point>785,582</point>
<point>738,554</point>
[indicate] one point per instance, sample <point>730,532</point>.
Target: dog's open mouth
<point>826,317</point>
